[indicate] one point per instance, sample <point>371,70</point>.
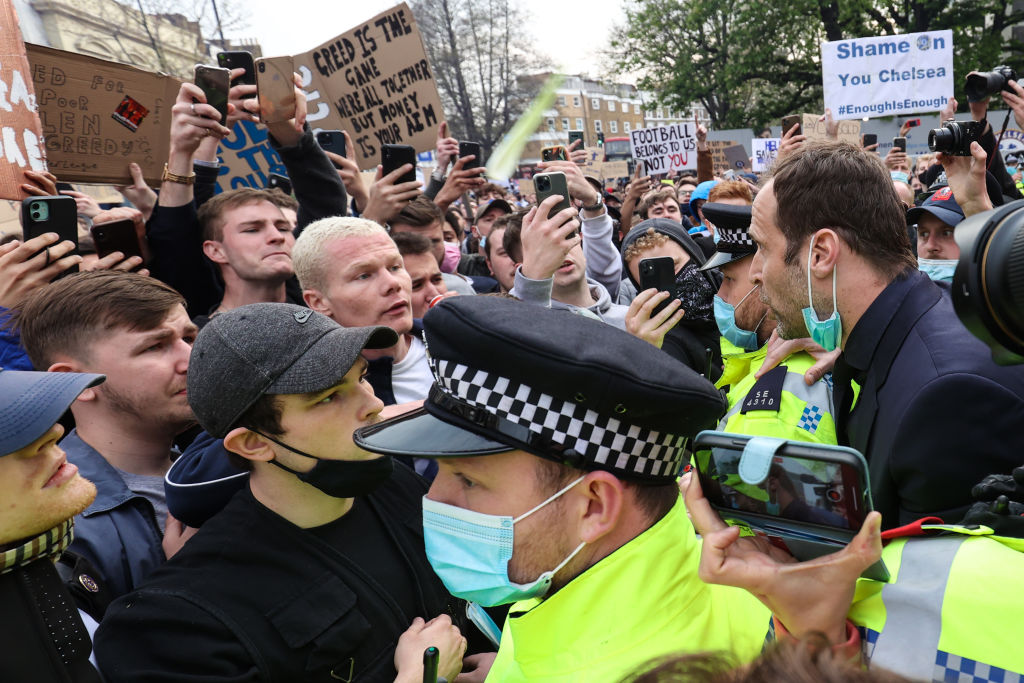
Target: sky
<point>570,33</point>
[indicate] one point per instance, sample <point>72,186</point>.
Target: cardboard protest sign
<point>615,169</point>
<point>21,134</point>
<point>814,128</point>
<point>718,148</point>
<point>736,156</point>
<point>765,151</point>
<point>887,75</point>
<point>526,186</point>
<point>246,158</point>
<point>595,157</point>
<point>665,148</point>
<point>98,116</point>
<point>374,81</point>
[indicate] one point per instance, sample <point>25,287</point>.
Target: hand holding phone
<point>393,157</point>
<point>658,273</point>
<point>550,230</point>
<point>900,143</point>
<point>332,141</point>
<point>275,88</point>
<point>870,139</point>
<point>790,122</point>
<point>58,214</point>
<point>468,148</point>
<point>215,83</point>
<point>239,59</point>
<point>554,153</point>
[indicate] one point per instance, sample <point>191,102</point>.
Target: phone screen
<point>799,489</point>
<point>467,148</point>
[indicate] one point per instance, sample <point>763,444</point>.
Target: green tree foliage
<point>749,63</point>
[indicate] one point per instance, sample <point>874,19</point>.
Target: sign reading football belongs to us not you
<point>888,75</point>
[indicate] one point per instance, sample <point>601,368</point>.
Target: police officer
<point>558,441</point>
<point>779,403</point>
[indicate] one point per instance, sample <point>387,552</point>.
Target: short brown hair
<point>66,316</point>
<point>278,198</point>
<point>837,185</point>
<point>412,243</point>
<point>656,197</point>
<point>489,188</point>
<point>731,189</point>
<point>419,213</point>
<point>212,211</point>
<point>649,240</point>
<point>503,223</point>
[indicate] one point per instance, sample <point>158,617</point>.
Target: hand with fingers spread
<point>40,184</point>
<point>386,198</point>
<point>791,142</point>
<point>351,178</point>
<point>139,192</point>
<point>779,349</point>
<point>966,178</point>
<point>86,205</point>
<point>459,181</point>
<point>446,148</point>
<point>27,266</point>
<point>807,597</point>
<point>547,241</point>
<point>643,323</point>
<point>439,632</point>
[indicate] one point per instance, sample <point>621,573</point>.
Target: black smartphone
<point>790,122</point>
<point>809,497</point>
<point>51,214</point>
<point>280,182</point>
<point>555,153</point>
<point>116,236</point>
<point>395,156</point>
<point>659,273</point>
<point>575,135</point>
<point>332,141</point>
<point>900,144</point>
<point>239,59</point>
<point>547,184</point>
<point>214,82</point>
<point>870,139</point>
<point>467,148</point>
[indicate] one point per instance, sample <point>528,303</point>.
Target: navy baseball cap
<point>942,205</point>
<point>32,402</point>
<point>511,375</point>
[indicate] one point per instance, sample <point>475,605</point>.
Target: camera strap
<point>999,139</point>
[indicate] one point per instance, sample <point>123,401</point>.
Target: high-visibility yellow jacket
<point>779,404</point>
<point>951,610</point>
<point>643,601</point>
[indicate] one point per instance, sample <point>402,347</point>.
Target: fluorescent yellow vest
<point>799,412</point>
<point>641,602</point>
<point>951,610</point>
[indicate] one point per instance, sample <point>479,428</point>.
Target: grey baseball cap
<point>268,348</point>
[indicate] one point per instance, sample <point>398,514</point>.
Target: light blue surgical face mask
<point>470,551</point>
<point>829,332</point>
<point>725,316</point>
<point>940,270</point>
<point>716,237</point>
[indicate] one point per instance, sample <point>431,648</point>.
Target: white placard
<point>665,148</point>
<point>888,75</point>
<point>765,150</point>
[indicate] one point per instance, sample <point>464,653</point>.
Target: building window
<point>565,124</point>
<point>597,125</point>
<point>551,124</point>
<point>561,100</point>
<point>579,124</point>
<point>595,103</point>
<point>611,105</point>
<point>625,126</point>
<point>614,125</point>
<point>576,100</point>
<point>636,109</point>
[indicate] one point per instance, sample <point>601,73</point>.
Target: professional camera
<point>985,84</point>
<point>988,284</point>
<point>955,137</point>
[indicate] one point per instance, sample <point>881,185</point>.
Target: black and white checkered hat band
<point>606,441</point>
<point>736,236</point>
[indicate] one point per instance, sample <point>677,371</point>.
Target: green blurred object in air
<point>502,163</point>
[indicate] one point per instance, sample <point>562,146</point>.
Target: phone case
<point>396,156</point>
<point>660,274</point>
<point>214,82</point>
<point>57,214</point>
<point>547,184</point>
<point>116,236</point>
<point>239,59</point>
<point>275,89</point>
<point>467,148</point>
<point>790,122</point>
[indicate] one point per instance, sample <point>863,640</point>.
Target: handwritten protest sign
<point>718,148</point>
<point>815,129</point>
<point>765,151</point>
<point>98,116</point>
<point>526,186</point>
<point>21,135</point>
<point>664,149</point>
<point>887,75</point>
<point>615,169</point>
<point>374,81</point>
<point>246,158</point>
<point>736,156</point>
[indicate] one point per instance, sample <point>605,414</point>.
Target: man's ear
<point>68,364</point>
<point>825,254</point>
<point>317,301</point>
<point>214,251</point>
<point>604,495</point>
<point>248,444</point>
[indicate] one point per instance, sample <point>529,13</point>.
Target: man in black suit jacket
<point>934,413</point>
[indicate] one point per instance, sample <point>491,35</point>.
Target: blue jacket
<point>935,414</point>
<point>12,353</point>
<point>118,533</point>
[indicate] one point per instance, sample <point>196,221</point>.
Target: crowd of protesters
<point>407,431</point>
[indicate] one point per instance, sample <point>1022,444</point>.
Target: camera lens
<point>263,67</point>
<point>543,184</point>
<point>942,139</point>
<point>35,214</point>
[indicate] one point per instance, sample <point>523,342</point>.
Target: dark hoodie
<point>695,343</point>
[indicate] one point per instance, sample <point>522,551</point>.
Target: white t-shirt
<point>411,377</point>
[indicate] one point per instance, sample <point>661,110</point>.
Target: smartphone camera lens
<point>263,67</point>
<point>543,184</point>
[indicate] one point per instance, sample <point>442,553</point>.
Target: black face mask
<point>341,478</point>
<point>696,293</point>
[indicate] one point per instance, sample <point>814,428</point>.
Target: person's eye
<point>947,233</point>
<point>466,483</point>
<point>330,398</point>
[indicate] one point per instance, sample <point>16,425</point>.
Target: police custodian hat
<point>733,226</point>
<point>510,375</point>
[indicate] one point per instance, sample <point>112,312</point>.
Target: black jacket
<point>252,597</point>
<point>935,414</point>
<point>36,604</point>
